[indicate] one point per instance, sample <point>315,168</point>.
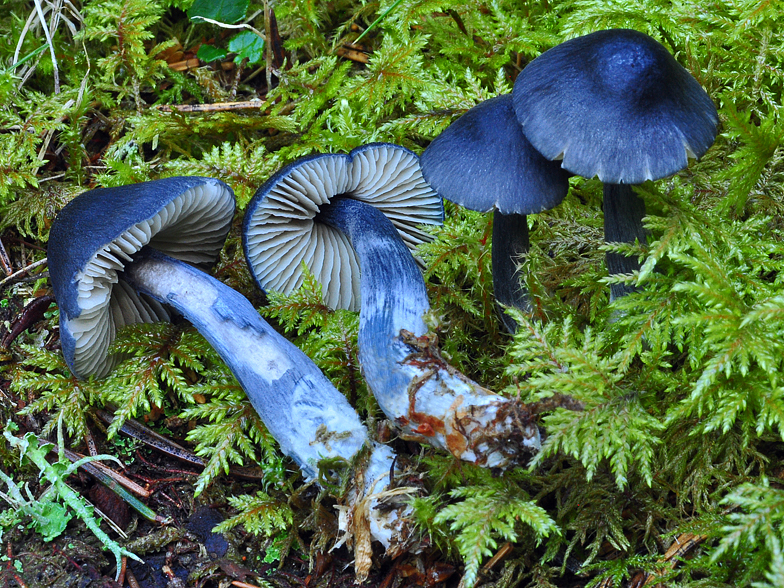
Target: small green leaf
<point>208,53</point>
<point>228,11</point>
<point>50,519</point>
<point>247,44</point>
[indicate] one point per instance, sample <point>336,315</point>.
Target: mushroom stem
<point>310,419</point>
<point>510,244</point>
<point>623,213</point>
<point>428,400</point>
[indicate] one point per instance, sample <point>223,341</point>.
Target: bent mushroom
<point>424,396</point>
<point>96,234</point>
<point>617,105</point>
<point>281,229</point>
<point>110,243</point>
<point>484,162</point>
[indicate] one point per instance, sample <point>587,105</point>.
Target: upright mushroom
<point>617,105</point>
<point>484,162</point>
<point>108,244</point>
<point>281,230</point>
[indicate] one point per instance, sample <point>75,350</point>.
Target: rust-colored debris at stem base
<point>478,425</point>
<point>469,433</point>
<point>512,428</point>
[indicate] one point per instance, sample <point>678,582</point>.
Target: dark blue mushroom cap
<point>282,231</point>
<point>614,104</point>
<point>483,161</point>
<point>95,235</point>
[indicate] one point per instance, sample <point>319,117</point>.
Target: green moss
<point>684,403</point>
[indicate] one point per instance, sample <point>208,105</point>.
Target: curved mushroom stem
<point>427,399</point>
<point>623,213</point>
<point>310,419</point>
<point>510,244</point>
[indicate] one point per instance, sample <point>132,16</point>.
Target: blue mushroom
<point>281,230</point>
<point>125,255</point>
<point>419,391</point>
<point>96,235</point>
<point>617,105</point>
<point>484,162</point>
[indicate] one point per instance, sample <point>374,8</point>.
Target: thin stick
<point>151,438</point>
<point>92,467</point>
<point>22,272</point>
<point>91,447</point>
<point>243,584</point>
<point>123,568</point>
<point>5,261</point>
<point>51,45</point>
<point>25,243</point>
<point>268,46</point>
<point>219,107</point>
<point>22,37</point>
<point>184,64</point>
<point>352,54</point>
<point>54,177</point>
<point>677,551</point>
<point>132,581</point>
<point>504,551</point>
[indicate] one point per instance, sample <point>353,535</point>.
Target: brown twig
<point>18,274</point>
<point>243,584</point>
<point>95,466</point>
<point>184,65</point>
<point>155,481</point>
<point>162,468</point>
<point>161,443</point>
<point>90,442</point>
<point>26,243</point>
<point>219,107</point>
<point>132,581</point>
<point>391,575</point>
<point>683,544</point>
<point>11,567</point>
<point>268,53</point>
<point>5,261</point>
<point>31,314</point>
<point>176,503</point>
<point>352,54</point>
<point>123,568</point>
<point>499,556</point>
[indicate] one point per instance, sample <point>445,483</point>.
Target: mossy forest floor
<point>671,475</point>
